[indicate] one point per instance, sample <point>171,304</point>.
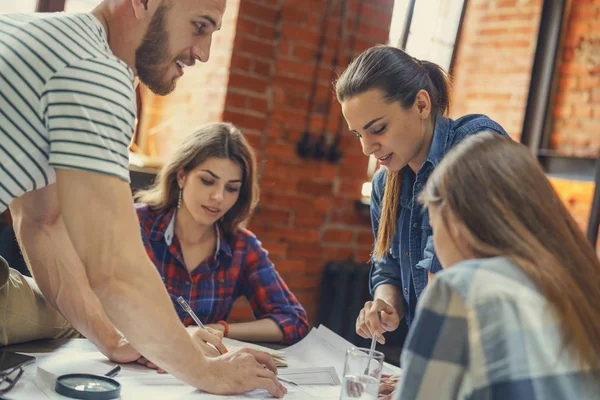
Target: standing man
<point>67,114</point>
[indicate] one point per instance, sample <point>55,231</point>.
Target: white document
<point>315,363</point>
<point>324,348</point>
<point>311,376</point>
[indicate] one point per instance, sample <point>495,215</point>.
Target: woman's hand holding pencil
<point>208,339</point>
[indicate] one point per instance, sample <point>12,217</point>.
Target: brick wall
<point>492,74</point>
<point>494,60</point>
<point>306,214</point>
<point>576,128</point>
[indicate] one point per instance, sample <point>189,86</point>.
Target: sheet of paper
<point>311,376</point>
<point>312,351</point>
<point>321,350</point>
<point>278,355</point>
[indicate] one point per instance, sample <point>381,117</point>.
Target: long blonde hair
<point>507,207</point>
<point>400,77</point>
<point>221,140</point>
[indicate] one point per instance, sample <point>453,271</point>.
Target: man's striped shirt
<point>66,101</point>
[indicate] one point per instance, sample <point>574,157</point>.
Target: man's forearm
<point>392,295</point>
<point>56,266</point>
<point>103,226</point>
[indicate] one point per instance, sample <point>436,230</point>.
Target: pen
<point>186,307</point>
<point>113,372</point>
<point>373,344</point>
<point>287,381</point>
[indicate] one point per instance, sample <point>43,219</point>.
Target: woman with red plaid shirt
<point>192,222</point>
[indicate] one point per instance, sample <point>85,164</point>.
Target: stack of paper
<point>277,355</point>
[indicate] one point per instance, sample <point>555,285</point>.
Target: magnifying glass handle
<point>113,372</point>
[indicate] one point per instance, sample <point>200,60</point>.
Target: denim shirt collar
<point>437,150</point>
<point>439,141</point>
<point>164,228</point>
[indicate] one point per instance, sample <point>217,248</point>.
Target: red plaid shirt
<point>239,267</point>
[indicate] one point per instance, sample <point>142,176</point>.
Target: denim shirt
<point>412,254</point>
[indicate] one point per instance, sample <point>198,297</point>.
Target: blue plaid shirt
<point>411,253</point>
<point>484,331</point>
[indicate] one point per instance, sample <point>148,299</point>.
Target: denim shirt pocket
<point>426,231</point>
<point>429,260</point>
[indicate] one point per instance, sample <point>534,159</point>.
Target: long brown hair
<point>507,207</point>
<point>220,140</point>
<point>400,77</point>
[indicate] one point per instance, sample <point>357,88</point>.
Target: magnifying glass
<point>89,386</point>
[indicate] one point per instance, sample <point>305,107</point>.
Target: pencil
<point>186,307</point>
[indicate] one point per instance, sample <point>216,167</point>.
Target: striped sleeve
<point>89,111</point>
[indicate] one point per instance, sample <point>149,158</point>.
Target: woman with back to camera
<point>516,312</point>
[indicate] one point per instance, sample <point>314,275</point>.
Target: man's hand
<point>201,337</point>
<point>375,318</point>
<point>243,370</point>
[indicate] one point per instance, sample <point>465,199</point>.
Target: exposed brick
<point>244,120</point>
<point>266,32</point>
<point>280,149</point>
<point>363,254</point>
<point>236,100</point>
<point>274,214</point>
<point>316,187</point>
<point>254,46</point>
<point>307,217</point>
<point>338,236</point>
<point>303,69</point>
<point>241,62</point>
<point>293,15</point>
<point>300,34</point>
<point>259,12</point>
<point>351,217</point>
<point>262,68</point>
<point>293,84</point>
<point>247,82</point>
<point>301,51</point>
<point>278,183</point>
<point>258,104</point>
<point>254,139</point>
<point>246,27</point>
<point>310,252</point>
<point>299,235</point>
<point>288,115</point>
<point>345,253</point>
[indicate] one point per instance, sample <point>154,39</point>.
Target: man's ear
<point>143,9</point>
<point>423,103</point>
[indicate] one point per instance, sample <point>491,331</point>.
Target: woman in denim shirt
<point>395,105</point>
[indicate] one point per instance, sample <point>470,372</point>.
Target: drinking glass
<point>362,374</point>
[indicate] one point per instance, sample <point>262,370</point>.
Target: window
<point>81,6</point>
<point>431,35</point>
<point>21,6</point>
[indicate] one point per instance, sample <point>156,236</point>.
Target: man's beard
<point>152,57</point>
